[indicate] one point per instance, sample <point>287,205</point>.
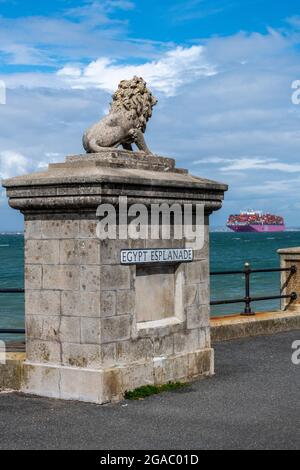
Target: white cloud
<point>251,163</point>
<point>175,68</point>
<point>13,164</point>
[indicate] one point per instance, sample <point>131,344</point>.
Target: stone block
<point>204,338</point>
<point>87,228</point>
<point>60,227</point>
<point>197,316</point>
<point>191,294</point>
<point>81,355</point>
<point>69,331</point>
<point>41,380</point>
<point>137,375</point>
<point>163,346</point>
<point>133,351</point>
<point>61,277</point>
<point>196,272</point>
<point>186,341</point>
<point>110,250</point>
<point>115,329</point>
<point>108,354</point>
<point>81,384</point>
<point>115,277</point>
<point>125,302</point>
<point>43,351</point>
<point>42,251</point>
<point>45,328</point>
<point>32,228</point>
<point>171,369</point>
<point>90,278</point>
<point>112,385</point>
<point>33,277</point>
<point>81,304</point>
<point>42,303</point>
<point>90,330</point>
<point>200,363</point>
<point>107,303</point>
<point>84,252</point>
<point>204,294</point>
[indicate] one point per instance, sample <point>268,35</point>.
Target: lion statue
<point>130,110</point>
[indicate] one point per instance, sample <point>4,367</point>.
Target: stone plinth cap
<point>83,180</point>
<point>289,251</point>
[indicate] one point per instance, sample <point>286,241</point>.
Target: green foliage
<point>148,390</point>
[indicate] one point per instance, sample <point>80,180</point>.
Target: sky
<point>223,73</point>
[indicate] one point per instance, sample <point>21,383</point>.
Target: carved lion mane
<point>134,97</point>
<point>125,124</point>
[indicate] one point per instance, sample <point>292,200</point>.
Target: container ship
<point>256,221</point>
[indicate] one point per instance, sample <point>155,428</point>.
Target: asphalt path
<point>253,402</point>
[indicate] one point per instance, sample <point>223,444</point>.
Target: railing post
<point>290,280</point>
<point>247,271</point>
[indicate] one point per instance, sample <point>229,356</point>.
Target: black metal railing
<point>248,299</point>
<point>13,331</point>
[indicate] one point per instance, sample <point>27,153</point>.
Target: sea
<point>228,251</point>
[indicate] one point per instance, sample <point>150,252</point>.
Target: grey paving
<point>251,403</point>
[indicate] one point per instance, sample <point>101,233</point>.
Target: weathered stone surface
<point>87,228</point>
<point>108,354</point>
<point>48,352</point>
<point>108,303</point>
<point>42,251</point>
<point>191,294</point>
<point>164,346</point>
<point>33,277</point>
<point>267,323</point>
<point>81,355</point>
<point>81,304</point>
<point>130,110</point>
<point>115,277</point>
<point>158,279</point>
<point>40,302</point>
<point>41,380</point>
<point>197,272</point>
<point>115,328</point>
<point>59,227</point>
<point>186,341</point>
<point>133,351</point>
<point>197,317</point>
<point>290,282</point>
<point>94,330</point>
<point>110,250</point>
<point>32,228</point>
<point>200,363</point>
<point>81,384</point>
<point>82,252</point>
<point>125,302</point>
<point>12,373</point>
<point>90,278</point>
<point>90,330</point>
<point>204,294</point>
<point>45,328</point>
<point>61,278</point>
<point>69,329</point>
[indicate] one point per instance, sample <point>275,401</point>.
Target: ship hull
<point>257,228</point>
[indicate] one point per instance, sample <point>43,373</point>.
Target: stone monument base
<point>108,315</point>
<point>110,384</point>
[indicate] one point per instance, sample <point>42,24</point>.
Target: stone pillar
<point>290,282</point>
<point>95,327</point>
